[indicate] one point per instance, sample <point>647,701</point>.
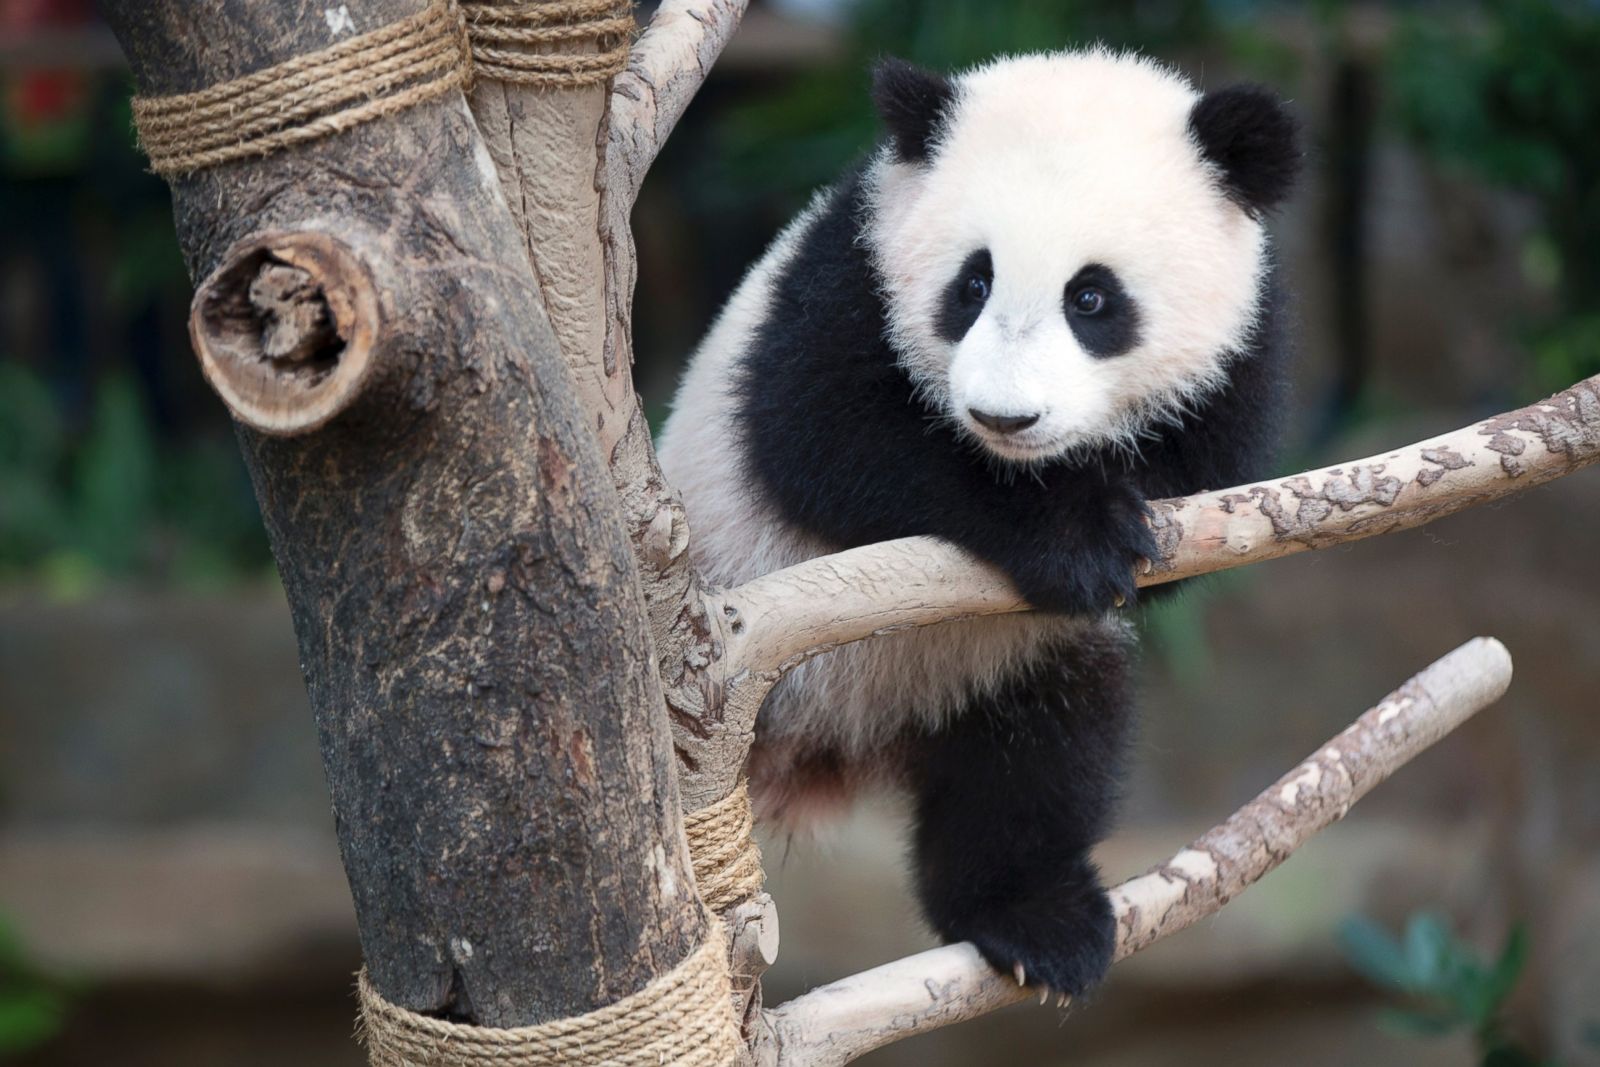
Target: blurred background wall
<point>170,891</point>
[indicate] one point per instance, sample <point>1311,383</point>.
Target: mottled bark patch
<point>469,616</point>
<point>1444,460</point>
<point>1342,489</point>
<point>1567,424</point>
<point>1168,533</point>
<point>1509,448</point>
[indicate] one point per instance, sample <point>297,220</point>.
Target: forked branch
<point>839,1022</point>
<point>791,615</point>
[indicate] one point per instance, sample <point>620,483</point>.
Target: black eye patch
<point>965,296</point>
<point>1103,317</point>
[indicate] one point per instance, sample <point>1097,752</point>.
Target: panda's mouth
<point>1033,445</point>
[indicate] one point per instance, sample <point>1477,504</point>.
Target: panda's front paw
<point>1063,942</point>
<point>1093,565</point>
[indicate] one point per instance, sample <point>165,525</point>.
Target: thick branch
<point>794,614</point>
<point>839,1022</point>
<point>571,209</point>
<point>668,65</point>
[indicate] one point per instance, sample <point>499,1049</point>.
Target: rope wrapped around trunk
<point>556,44</point>
<point>684,1017</point>
<point>726,858</point>
<point>512,41</point>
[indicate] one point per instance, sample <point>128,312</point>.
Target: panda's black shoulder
<point>824,313</point>
<point>817,379</point>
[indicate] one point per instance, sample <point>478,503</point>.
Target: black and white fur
<point>1045,299</point>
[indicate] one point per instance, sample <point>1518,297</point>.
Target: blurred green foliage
<point>33,1006</point>
<point>1508,92</point>
<point>106,470</point>
<point>793,141</point>
<point>114,501</point>
<point>1444,985</point>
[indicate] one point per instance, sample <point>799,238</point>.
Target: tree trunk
<point>467,605</point>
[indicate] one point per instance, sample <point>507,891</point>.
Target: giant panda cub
<point>1046,298</point>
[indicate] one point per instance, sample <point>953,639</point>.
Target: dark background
<point>169,888</point>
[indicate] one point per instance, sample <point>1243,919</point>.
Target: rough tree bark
<point>467,605</point>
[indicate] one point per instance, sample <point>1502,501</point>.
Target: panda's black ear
<point>912,102</point>
<point>1254,142</point>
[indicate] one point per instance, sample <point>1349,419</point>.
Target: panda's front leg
<point>1011,795</point>
<point>1080,554</point>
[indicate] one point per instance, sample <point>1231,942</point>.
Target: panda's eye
<point>1089,300</point>
<point>965,296</point>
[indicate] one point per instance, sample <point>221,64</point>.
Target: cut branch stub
<point>286,330</point>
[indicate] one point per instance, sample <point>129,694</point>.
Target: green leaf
<point>1429,949</point>
<point>1508,968</point>
<point>11,955</point>
<point>117,477</point>
<point>1375,955</point>
<point>68,576</point>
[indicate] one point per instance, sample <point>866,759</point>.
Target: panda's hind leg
<point>1010,797</point>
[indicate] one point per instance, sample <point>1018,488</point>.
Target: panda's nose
<point>1003,423</point>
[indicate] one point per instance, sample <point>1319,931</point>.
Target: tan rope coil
<point>726,858</point>
<point>511,40</point>
<point>684,1017</point>
<point>309,97</point>
<point>383,71</point>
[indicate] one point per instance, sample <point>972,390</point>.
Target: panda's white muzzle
<point>1030,399</point>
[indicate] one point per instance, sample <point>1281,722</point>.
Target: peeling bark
<point>573,212</point>
<point>668,65</point>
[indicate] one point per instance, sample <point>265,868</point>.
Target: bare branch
<point>793,614</point>
<point>839,1022</point>
<point>668,65</point>
<point>666,69</point>
<point>572,208</point>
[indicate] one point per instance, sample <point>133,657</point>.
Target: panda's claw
<point>1060,941</point>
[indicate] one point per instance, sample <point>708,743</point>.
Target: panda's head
<point>1070,245</point>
